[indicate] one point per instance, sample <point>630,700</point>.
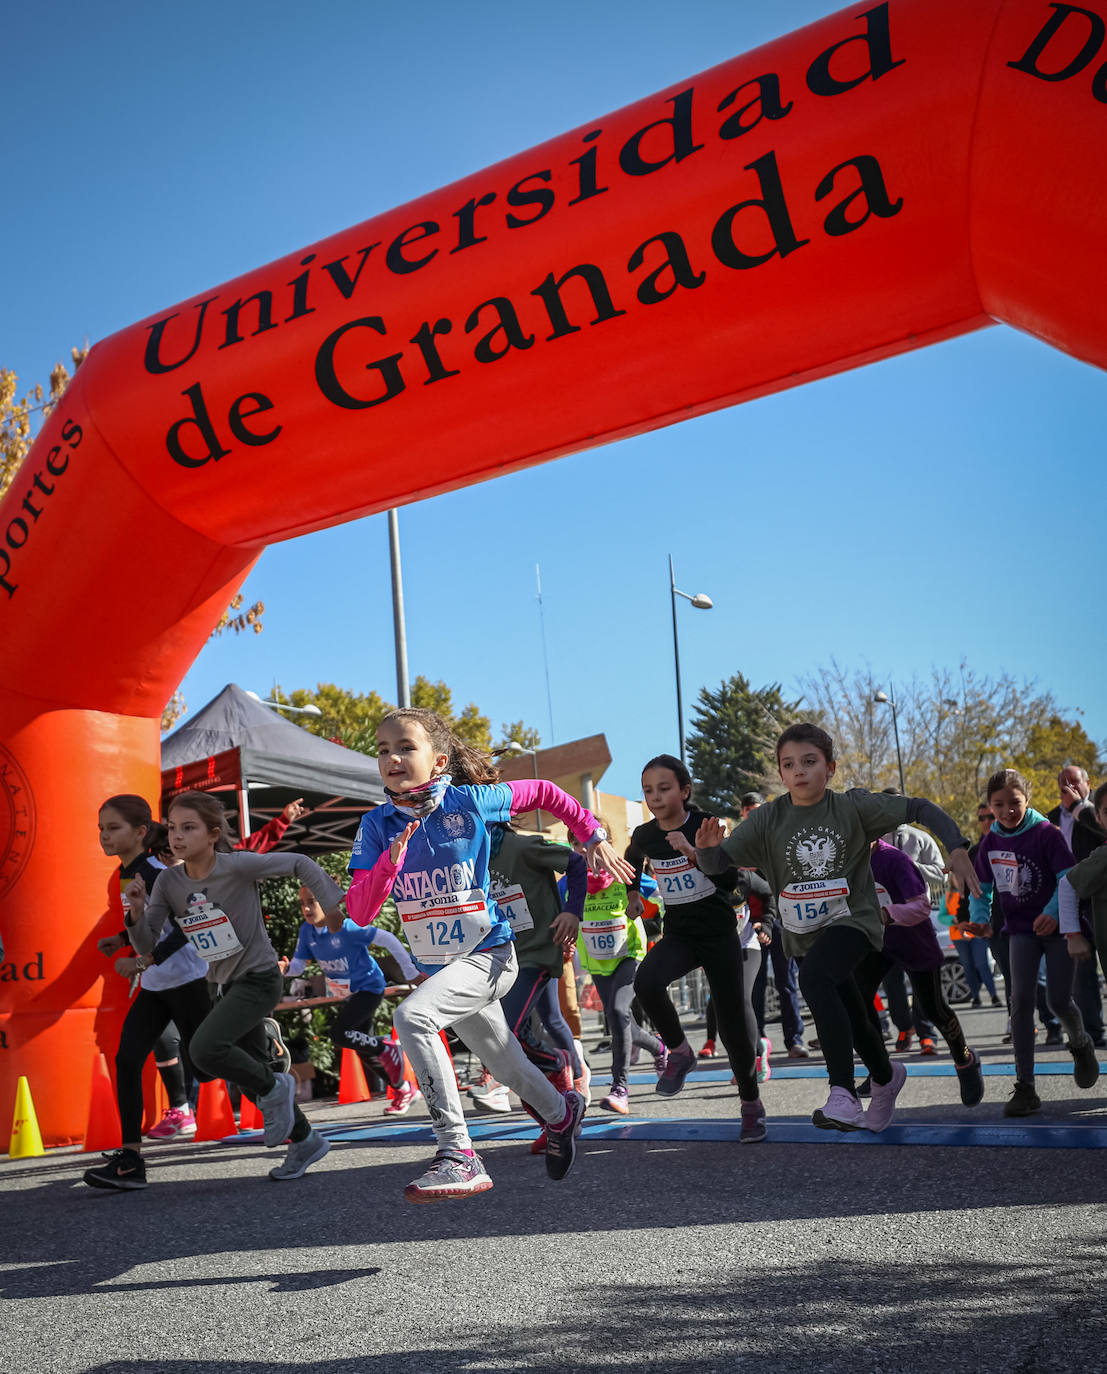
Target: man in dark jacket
<point>1075,818</point>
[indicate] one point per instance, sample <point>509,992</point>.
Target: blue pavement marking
<point>788,1131</point>
<point>1058,1069</point>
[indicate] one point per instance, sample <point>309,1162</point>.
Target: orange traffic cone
<point>26,1136</point>
<point>249,1118</point>
<point>102,1130</point>
<point>214,1117</point>
<point>352,1086</point>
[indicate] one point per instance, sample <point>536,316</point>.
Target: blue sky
<point>938,506</point>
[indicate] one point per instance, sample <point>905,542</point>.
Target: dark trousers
<point>837,1006</point>
<point>785,975</point>
<point>721,958</point>
<point>927,989</point>
<point>535,992</point>
<point>231,1042</point>
<point>148,1016</point>
<point>905,1011</point>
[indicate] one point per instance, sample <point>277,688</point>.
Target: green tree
<point>732,745</point>
<point>351,718</point>
<point>1050,745</point>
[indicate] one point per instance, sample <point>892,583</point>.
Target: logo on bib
<point>815,852</point>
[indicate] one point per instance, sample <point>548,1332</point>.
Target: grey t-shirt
<point>203,907</point>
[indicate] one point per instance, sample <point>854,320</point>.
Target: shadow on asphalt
<point>915,1319</point>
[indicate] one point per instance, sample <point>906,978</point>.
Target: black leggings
<point>838,1008</point>
<point>927,988</point>
<point>353,1029</point>
<point>150,1013</point>
<point>722,960</point>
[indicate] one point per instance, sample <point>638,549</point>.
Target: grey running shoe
<point>1085,1065</point>
<point>280,1061</point>
<point>277,1109</point>
<point>561,1144</point>
<point>452,1176</point>
<point>300,1157</point>
<point>753,1123</point>
<point>676,1070</point>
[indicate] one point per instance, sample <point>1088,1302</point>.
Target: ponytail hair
<point>1007,777</point>
<point>467,765</point>
<point>136,811</point>
<point>210,810</point>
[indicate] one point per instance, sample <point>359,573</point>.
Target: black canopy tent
<point>258,761</point>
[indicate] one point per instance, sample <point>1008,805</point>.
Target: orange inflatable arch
<point>895,174</point>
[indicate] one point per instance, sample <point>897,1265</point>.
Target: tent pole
<point>243,809</point>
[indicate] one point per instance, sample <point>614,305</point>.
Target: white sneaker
<point>843,1112</point>
<point>882,1104</point>
<point>495,1100</point>
<point>584,1082</point>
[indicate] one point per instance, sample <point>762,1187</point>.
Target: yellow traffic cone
<point>26,1136</point>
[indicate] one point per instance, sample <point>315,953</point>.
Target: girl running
<point>910,942</point>
<point>172,987</point>
<point>211,898</point>
<point>701,931</point>
<point>429,846</point>
<point>812,844</point>
<point>612,945</point>
<point>341,949</point>
<point>1024,858</point>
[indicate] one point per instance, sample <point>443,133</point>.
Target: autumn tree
<point>955,729</point>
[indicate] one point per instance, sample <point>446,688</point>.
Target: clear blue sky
<point>948,502</point>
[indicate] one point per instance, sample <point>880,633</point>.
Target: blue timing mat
<point>782,1131</point>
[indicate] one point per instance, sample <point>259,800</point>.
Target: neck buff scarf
<point>420,801</point>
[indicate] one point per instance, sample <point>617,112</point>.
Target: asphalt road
<point>676,1254</point>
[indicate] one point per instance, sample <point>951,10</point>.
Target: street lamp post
<point>701,603</point>
<point>403,689</point>
<point>883,699</point>
<point>309,710</point>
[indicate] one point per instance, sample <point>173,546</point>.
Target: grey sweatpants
<point>465,994</point>
<point>1026,955</point>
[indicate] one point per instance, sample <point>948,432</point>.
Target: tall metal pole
<point>545,652</point>
<point>676,662</point>
<point>403,689</point>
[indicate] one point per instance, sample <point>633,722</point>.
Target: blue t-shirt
<point>343,955</point>
<point>446,863</point>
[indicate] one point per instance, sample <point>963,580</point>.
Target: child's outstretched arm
<point>539,795</point>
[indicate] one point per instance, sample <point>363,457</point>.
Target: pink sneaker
<point>176,1121</point>
<point>562,1076</point>
<point>406,1094</point>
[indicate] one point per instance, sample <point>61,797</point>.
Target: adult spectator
<point>1074,816</point>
